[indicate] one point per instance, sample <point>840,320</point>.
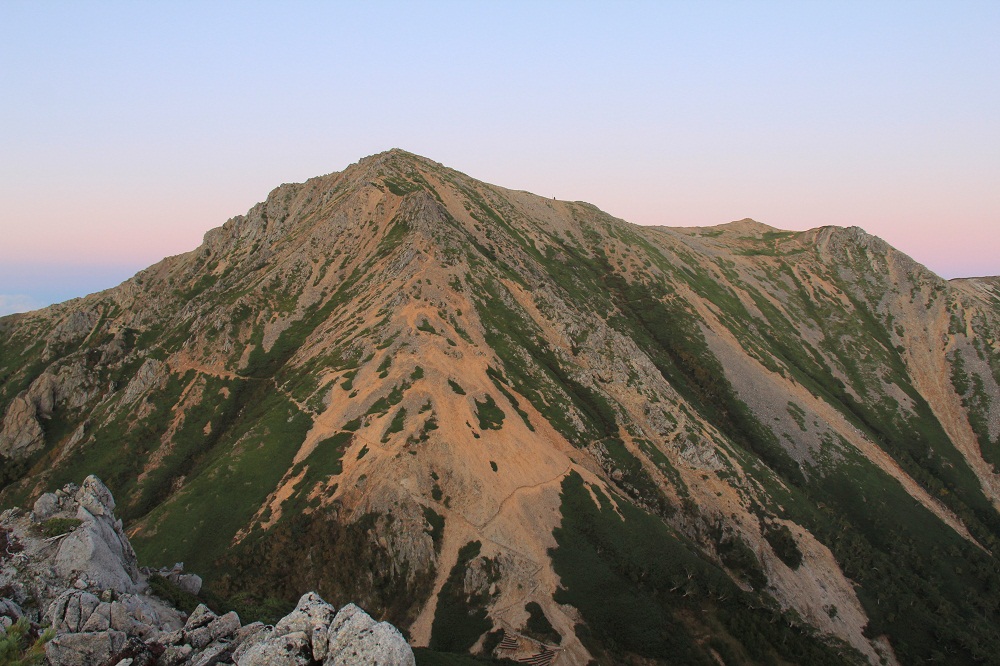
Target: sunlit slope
<point>473,409</point>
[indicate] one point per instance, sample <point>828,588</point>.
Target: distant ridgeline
<point>520,428</point>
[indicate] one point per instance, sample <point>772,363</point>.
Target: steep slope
<point>476,409</point>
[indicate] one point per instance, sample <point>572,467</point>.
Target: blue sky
<point>127,130</point>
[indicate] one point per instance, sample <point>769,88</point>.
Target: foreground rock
<point>71,540</point>
<point>316,632</point>
<point>86,585</point>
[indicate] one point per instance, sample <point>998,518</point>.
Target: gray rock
<point>151,373</point>
<point>88,604</point>
<point>120,619</point>
<point>20,432</point>
<point>174,655</point>
<point>190,583</point>
<point>171,637</point>
<point>320,639</point>
<point>73,617</point>
<point>71,610</point>
<point>100,619</point>
<point>289,650</point>
<point>247,631</point>
<point>84,649</point>
<point>95,497</point>
<point>355,639</point>
<point>309,612</point>
<point>10,609</point>
<point>214,654</point>
<point>225,626</point>
<point>150,612</point>
<point>200,617</point>
<point>248,637</point>
<point>198,638</point>
<point>204,627</point>
<point>136,652</point>
<point>45,507</point>
<point>312,616</point>
<point>98,549</point>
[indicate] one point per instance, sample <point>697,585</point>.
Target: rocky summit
<point>520,428</point>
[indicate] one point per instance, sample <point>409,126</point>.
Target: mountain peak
<point>464,405</point>
<point>397,159</point>
<point>748,226</point>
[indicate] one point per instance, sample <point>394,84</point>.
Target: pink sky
<point>132,128</point>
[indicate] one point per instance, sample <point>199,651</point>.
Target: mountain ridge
<point>401,361</point>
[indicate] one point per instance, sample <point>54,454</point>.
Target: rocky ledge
<point>68,565</point>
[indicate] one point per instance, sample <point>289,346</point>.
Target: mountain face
<point>513,425</point>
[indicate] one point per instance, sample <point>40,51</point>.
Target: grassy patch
<point>396,425</point>
<point>436,529</point>
<point>489,413</point>
<point>783,544</point>
<point>538,626</point>
<point>460,618</point>
<point>56,526</point>
<point>221,496</point>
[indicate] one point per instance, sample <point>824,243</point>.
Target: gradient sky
<point>128,129</point>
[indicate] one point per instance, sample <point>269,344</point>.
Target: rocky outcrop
<point>20,433</point>
<point>90,632</point>
<point>186,582</point>
<point>316,632</point>
<point>84,583</point>
<point>96,553</point>
<point>150,374</point>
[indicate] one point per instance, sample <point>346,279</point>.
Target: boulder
<point>136,653</point>
<point>225,626</point>
<point>100,619</point>
<point>71,610</point>
<point>292,649</point>
<point>95,497</point>
<point>174,655</point>
<point>216,653</point>
<point>98,551</point>
<point>84,649</point>
<point>355,638</point>
<point>200,617</point>
<point>249,636</point>
<point>222,627</point>
<point>312,616</point>
<point>45,507</point>
<point>190,583</point>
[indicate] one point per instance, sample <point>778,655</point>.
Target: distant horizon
<point>133,128</point>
